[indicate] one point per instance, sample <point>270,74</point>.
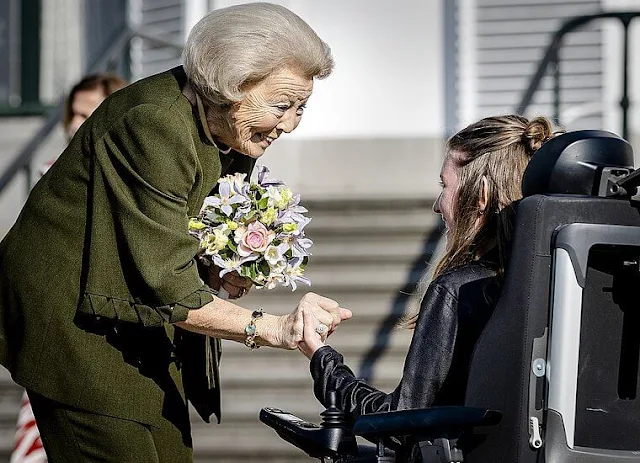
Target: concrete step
<point>371,218</point>
<point>327,278</point>
<point>364,256</point>
<point>369,251</point>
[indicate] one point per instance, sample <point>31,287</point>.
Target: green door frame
<point>30,40</point>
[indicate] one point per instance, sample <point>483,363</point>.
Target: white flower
<point>232,263</point>
<point>274,280</point>
<point>216,240</point>
<point>274,254</point>
<point>273,195</point>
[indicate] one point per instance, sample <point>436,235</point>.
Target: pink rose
<point>255,239</point>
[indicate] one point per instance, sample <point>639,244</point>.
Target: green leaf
<point>253,274</point>
<point>264,267</point>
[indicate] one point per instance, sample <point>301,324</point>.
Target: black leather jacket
<point>452,315</point>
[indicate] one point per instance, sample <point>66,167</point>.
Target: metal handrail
<point>551,58</point>
<point>109,59</point>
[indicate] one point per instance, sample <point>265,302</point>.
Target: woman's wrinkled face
<point>271,107</point>
<point>84,103</point>
<point>449,182</point>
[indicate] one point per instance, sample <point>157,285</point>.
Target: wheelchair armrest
<point>430,423</point>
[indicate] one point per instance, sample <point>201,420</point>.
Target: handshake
<point>306,328</point>
<point>314,319</point>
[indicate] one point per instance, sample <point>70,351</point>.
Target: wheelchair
<point>554,374</point>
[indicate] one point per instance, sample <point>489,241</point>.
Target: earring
<point>481,212</point>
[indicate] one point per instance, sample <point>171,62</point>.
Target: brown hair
<point>105,81</point>
<point>497,149</point>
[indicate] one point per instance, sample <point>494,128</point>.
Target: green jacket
<point>100,264</point>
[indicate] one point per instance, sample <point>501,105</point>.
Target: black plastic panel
<point>607,403</point>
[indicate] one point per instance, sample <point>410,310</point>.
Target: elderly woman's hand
<point>234,284</point>
<point>319,310</point>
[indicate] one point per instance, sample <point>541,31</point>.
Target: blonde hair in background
<point>231,48</point>
<point>498,149</point>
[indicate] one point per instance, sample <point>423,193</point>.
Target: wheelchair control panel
<point>332,438</point>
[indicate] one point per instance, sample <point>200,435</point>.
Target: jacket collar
<point>202,119</point>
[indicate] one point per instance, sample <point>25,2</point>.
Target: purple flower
<point>263,181</point>
<point>226,197</point>
<point>293,274</point>
<point>300,246</point>
<point>291,216</point>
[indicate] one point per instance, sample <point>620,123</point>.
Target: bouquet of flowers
<point>255,229</point>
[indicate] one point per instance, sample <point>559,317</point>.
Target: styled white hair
<point>242,44</point>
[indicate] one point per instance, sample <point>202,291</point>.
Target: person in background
<point>83,99</point>
<point>480,180</point>
<point>106,317</point>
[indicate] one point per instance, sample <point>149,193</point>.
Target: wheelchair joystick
<point>333,417</point>
<point>334,420</point>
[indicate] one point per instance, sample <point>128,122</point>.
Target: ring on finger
<point>321,329</point>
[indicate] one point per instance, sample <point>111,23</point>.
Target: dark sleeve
<point>425,368</point>
<point>141,264</point>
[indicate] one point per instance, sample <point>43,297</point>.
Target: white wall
<point>389,69</point>
<point>613,64</point>
<point>62,53</point>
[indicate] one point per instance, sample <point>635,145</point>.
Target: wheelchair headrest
<point>572,163</point>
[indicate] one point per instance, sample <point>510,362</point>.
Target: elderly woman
<point>106,319</point>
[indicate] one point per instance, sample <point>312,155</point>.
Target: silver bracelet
<point>251,331</point>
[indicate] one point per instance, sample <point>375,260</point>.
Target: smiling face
<point>269,108</point>
<point>449,182</point>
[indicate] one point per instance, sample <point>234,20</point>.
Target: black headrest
<point>572,163</point>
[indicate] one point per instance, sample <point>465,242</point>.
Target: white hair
<point>242,44</point>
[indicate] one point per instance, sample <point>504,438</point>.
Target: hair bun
<point>536,133</point>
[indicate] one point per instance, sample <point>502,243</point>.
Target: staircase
<point>364,254</point>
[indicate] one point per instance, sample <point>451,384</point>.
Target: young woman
<point>480,178</point>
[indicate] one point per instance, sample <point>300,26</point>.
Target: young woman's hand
<point>311,339</point>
